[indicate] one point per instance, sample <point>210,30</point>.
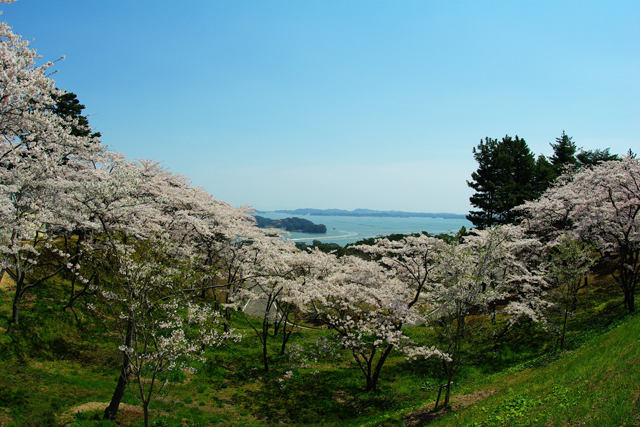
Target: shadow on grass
<point>328,398</point>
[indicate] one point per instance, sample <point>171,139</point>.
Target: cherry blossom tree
<point>121,208</point>
<point>413,260</point>
<point>165,327</point>
<point>366,307</point>
<point>569,265</point>
<point>599,204</point>
<point>142,221</point>
<point>55,184</point>
<point>39,160</point>
<point>136,236</point>
<point>267,291</point>
<point>244,265</point>
<point>472,279</point>
<point>424,278</point>
<point>214,227</point>
<point>449,283</point>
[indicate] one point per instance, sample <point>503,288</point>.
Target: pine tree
<point>595,157</point>
<point>544,175</point>
<point>564,153</point>
<point>506,177</point>
<point>67,105</point>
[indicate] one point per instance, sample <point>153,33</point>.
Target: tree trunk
<point>371,384</point>
<point>265,337</point>
<point>285,338</point>
<point>145,409</point>
<point>286,334</point>
<point>111,411</point>
<point>629,300</point>
<point>574,302</point>
<point>448,392</point>
<point>628,277</point>
<point>564,328</point>
<point>15,308</point>
<point>456,357</point>
<point>378,369</point>
<point>73,296</point>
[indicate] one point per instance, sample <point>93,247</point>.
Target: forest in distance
<point>128,296</point>
<point>369,213</point>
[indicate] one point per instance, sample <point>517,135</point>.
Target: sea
<point>349,229</point>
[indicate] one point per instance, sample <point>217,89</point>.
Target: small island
<point>298,225</point>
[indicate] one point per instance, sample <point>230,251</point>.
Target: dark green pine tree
<point>484,182</point>
<point>564,154</point>
<point>506,177</point>
<point>67,105</point>
<point>544,175</point>
<point>594,157</point>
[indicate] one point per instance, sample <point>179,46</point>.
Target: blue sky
<point>341,104</point>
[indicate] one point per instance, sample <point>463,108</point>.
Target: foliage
<point>564,154</point>
<point>600,205</point>
<point>364,305</point>
<point>582,388</point>
<point>570,262</point>
<point>41,159</point>
<point>594,157</point>
<point>67,106</point>
<point>508,175</point>
<point>504,179</point>
<point>232,388</point>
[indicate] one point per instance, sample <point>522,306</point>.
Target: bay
<point>347,229</point>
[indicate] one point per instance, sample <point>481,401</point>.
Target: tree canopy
<point>508,175</point>
<point>564,153</point>
<point>505,178</point>
<point>600,205</point>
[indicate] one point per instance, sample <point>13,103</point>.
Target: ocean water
<point>350,229</point>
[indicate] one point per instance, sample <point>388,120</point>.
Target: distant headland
<point>370,212</point>
<point>299,225</point>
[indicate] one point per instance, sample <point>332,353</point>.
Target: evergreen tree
<point>506,177</point>
<point>544,175</point>
<point>595,157</point>
<point>67,105</point>
<point>485,184</point>
<point>564,153</point>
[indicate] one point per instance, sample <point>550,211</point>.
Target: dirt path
<point>461,401</point>
<point>126,412</point>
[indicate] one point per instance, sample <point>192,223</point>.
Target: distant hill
<point>370,212</point>
<point>299,225</point>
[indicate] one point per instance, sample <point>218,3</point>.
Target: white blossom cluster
<point>599,205</point>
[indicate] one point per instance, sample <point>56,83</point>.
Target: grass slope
<point>595,385</point>
<point>54,368</point>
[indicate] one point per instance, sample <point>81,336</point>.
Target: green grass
<point>53,363</point>
<point>595,385</point>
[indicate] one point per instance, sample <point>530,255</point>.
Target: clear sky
<point>342,104</point>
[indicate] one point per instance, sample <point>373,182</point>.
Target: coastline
<point>349,229</point>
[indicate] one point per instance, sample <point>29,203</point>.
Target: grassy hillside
<point>595,385</point>
<point>57,370</point>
